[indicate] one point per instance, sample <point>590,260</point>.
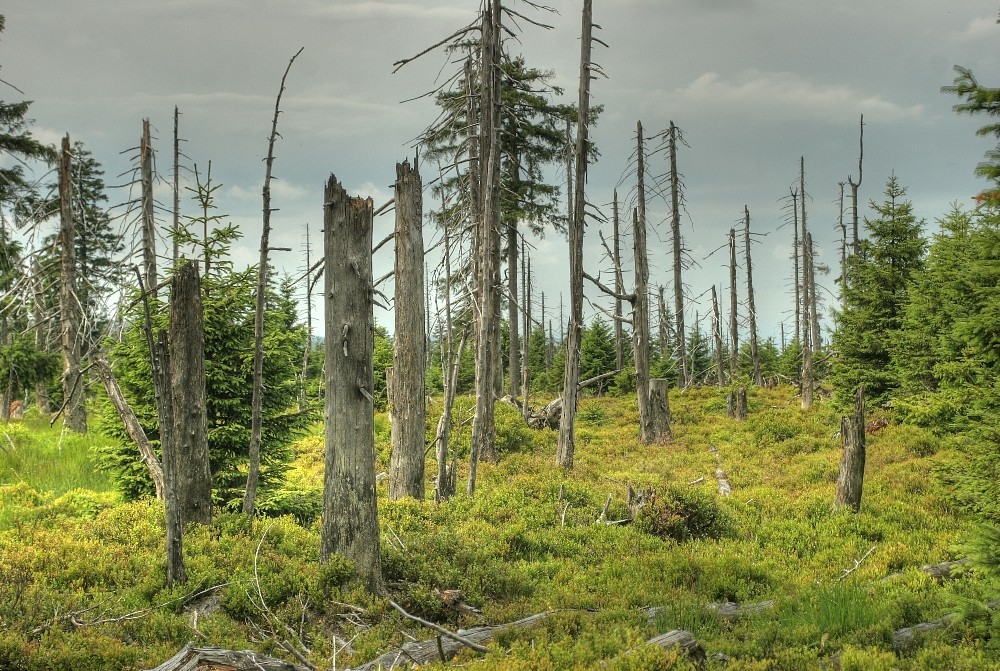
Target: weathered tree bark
<point>796,271</point>
<point>148,220</point>
<point>856,240</point>
<point>449,374</point>
<point>619,288</point>
<point>132,425</point>
<point>683,379</point>
<point>850,480</point>
<point>488,240</point>
<point>513,314</point>
<point>679,638</point>
<point>664,323</point>
<point>176,573</point>
<point>303,378</point>
<point>409,359</point>
<point>41,344</point>
<point>720,367</point>
<point>350,516</point>
<point>758,378</point>
<point>526,315</point>
<point>257,393</point>
<point>843,237</point>
<point>734,335</point>
<point>640,306</point>
<point>177,185</point>
<point>75,417</point>
<point>189,431</point>
<point>807,362</point>
<point>659,409</point>
<point>571,375</point>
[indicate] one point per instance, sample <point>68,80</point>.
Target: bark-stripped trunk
<point>661,313</point>
<point>571,376</point>
<point>675,230</point>
<point>758,378</point>
<point>855,239</point>
<point>850,480</point>
<point>75,415</point>
<point>720,367</point>
<point>651,428</point>
<point>41,342</point>
<point>188,453</point>
<point>449,374</point>
<point>177,185</point>
<point>796,270</point>
<point>176,573</point>
<point>807,367</point>
<point>513,314</point>
<point>350,516</point>
<point>257,393</point>
<point>734,336</point>
<point>307,350</point>
<point>409,413</point>
<point>619,289</point>
<point>488,237</point>
<point>148,221</point>
<point>526,313</point>
<point>132,426</point>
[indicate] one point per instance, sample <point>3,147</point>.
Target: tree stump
<point>659,408</point>
<point>852,462</point>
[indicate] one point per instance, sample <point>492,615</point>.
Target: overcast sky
<point>753,84</point>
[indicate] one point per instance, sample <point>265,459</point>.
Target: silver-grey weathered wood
<point>850,480</point>
<point>75,415</point>
<point>189,415</point>
<point>350,515</point>
<point>409,413</point>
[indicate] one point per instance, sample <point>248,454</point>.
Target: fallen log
<point>443,649</point>
<point>731,611</point>
<point>216,659</point>
<point>548,417</point>
<point>940,572</point>
<point>908,638</point>
<point>679,638</point>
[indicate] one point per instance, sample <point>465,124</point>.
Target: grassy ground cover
<point>82,576</point>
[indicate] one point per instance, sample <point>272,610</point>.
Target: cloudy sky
<point>753,84</point>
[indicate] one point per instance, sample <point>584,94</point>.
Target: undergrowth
<point>533,539</point>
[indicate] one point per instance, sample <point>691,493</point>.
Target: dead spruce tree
<point>571,375</point>
<point>409,414</point>
<point>850,479</point>
<point>758,378</point>
<point>673,137</point>
<point>257,398</point>
<point>75,413</point>
<point>350,515</point>
<point>734,337</point>
<point>855,239</point>
<point>720,366</point>
<point>148,221</point>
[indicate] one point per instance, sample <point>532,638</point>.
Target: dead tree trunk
<point>189,430</point>
<point>571,376</point>
<point>350,516</point>
<point>513,314</point>
<point>659,402</point>
<point>734,336</point>
<point>758,378</point>
<point>449,369</point>
<point>796,274</point>
<point>619,289</point>
<point>307,350</point>
<point>526,314</point>
<point>640,306</point>
<point>177,186</point>
<point>856,240</point>
<point>257,395</point>
<point>148,221</point>
<point>850,480</point>
<point>487,356</point>
<point>75,417</point>
<point>41,342</point>
<point>720,367</point>
<point>176,572</point>
<point>132,426</point>
<point>409,412</point>
<point>664,325</point>
<point>675,229</point>
<point>807,363</point>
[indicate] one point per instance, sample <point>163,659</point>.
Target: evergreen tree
<point>597,350</point>
<point>875,295</point>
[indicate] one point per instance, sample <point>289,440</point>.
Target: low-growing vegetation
<point>82,572</point>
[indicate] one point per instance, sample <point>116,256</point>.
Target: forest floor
<point>768,577</point>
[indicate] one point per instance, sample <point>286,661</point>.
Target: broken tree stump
<point>850,480</point>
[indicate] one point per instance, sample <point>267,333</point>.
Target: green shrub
<point>683,514</point>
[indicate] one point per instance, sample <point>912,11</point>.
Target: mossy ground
<point>516,549</point>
